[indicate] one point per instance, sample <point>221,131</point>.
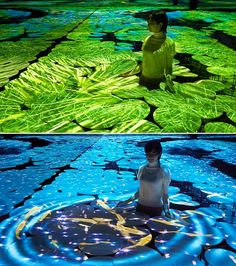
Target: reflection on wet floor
<point>59,195</point>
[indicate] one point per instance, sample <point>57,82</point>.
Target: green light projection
<point>67,74</point>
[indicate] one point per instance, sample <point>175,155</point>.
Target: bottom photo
<point>117,199</point>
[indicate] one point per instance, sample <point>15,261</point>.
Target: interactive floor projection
<point>62,68</point>
<point>59,195</point>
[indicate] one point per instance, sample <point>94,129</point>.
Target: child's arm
<point>169,60</point>
<point>136,194</point>
<point>165,196</point>
<point>133,72</point>
<point>133,198</point>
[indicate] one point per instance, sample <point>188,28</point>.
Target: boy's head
<point>158,22</point>
<point>153,150</point>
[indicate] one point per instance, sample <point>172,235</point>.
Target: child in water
<point>158,52</point>
<point>154,182</point>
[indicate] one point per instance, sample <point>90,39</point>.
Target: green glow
<point>79,84</point>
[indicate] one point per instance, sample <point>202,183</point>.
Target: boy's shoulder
<point>142,167</point>
<point>169,40</point>
<point>165,169</point>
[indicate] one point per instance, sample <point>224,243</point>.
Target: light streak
<point>142,242</point>
<point>32,212</point>
<point>74,219</point>
<point>173,222</point>
<point>22,224</point>
<point>44,215</point>
<point>19,228</point>
<point>55,243</point>
<point>185,233</point>
<point>233,258</point>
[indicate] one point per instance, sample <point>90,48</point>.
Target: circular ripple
<point>33,236</point>
<point>178,242</point>
<point>69,231</point>
<point>160,224</point>
<point>212,212</point>
<point>142,255</point>
<point>204,228</point>
<point>186,233</point>
<point>219,257</point>
<point>229,231</point>
<point>179,260</point>
<point>99,261</point>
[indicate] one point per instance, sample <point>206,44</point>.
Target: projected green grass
<point>63,72</point>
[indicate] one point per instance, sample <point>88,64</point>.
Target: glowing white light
<point>26,259</point>
<point>164,232</point>
<point>233,258</point>
<point>125,250</point>
<point>194,262</point>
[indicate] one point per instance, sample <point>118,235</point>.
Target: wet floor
<point>59,192</point>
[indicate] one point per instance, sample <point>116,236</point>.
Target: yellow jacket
<point>158,54</point>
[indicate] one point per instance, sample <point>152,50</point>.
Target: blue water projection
<point>59,194</point>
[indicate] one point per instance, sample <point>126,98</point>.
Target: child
<point>154,182</point>
<point>158,52</point>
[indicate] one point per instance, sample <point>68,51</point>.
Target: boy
<point>158,52</point>
<point>154,182</point>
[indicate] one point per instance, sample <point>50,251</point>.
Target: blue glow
<point>219,257</point>
<point>67,198</point>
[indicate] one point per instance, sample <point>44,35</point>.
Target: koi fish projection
<point>90,230</point>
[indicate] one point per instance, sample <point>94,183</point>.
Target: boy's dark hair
<point>160,16</point>
<point>153,145</point>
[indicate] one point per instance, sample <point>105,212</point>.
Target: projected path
<point>59,195</point>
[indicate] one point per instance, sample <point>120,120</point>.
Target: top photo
<point>109,66</point>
